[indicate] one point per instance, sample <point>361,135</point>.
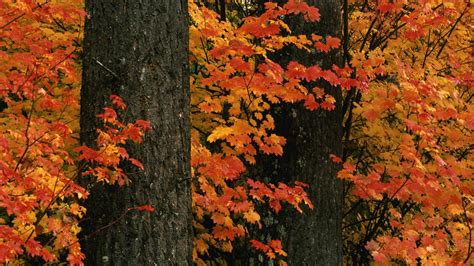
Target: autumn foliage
<point>234,85</point>
<point>39,149</point>
<point>410,164</point>
<point>407,162</point>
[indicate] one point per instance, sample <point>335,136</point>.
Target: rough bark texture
<point>315,237</point>
<point>138,50</point>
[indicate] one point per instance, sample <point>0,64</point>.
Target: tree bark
<point>314,237</point>
<point>138,49</point>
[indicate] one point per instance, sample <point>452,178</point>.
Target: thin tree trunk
<point>138,50</point>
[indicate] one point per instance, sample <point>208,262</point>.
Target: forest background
<point>404,78</point>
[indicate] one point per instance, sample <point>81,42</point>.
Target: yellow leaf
<point>252,217</point>
<point>219,133</point>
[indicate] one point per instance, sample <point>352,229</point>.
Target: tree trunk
<point>139,51</point>
<point>314,237</point>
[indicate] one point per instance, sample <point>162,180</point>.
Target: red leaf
<point>310,103</point>
<point>109,115</point>
<point>259,245</point>
<point>136,163</point>
<point>143,124</point>
<point>118,102</point>
<point>86,153</point>
<point>384,8</point>
<point>335,158</point>
<point>321,47</point>
<point>145,208</point>
<point>333,42</point>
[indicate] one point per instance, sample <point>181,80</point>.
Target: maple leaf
<point>86,153</point>
<point>218,218</point>
<point>328,103</point>
<point>232,167</point>
<point>371,114</point>
<point>259,245</point>
<point>257,29</point>
<point>277,247</point>
<point>143,124</point>
<point>109,115</point>
<point>379,257</point>
<point>117,102</point>
<point>133,133</point>
<point>349,167</point>
<point>222,233</point>
<point>322,47</point>
<point>275,205</point>
<point>334,158</point>
<point>330,77</point>
<point>201,246</point>
<point>252,217</point>
<point>313,14</point>
<point>34,248</point>
<point>333,42</point>
<point>145,208</point>
<point>136,163</point>
<point>310,103</point>
<point>296,7</point>
<point>219,133</point>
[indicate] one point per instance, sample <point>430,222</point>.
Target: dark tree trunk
<point>315,237</point>
<point>138,50</point>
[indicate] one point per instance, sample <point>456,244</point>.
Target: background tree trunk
<point>314,237</point>
<point>138,50</point>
